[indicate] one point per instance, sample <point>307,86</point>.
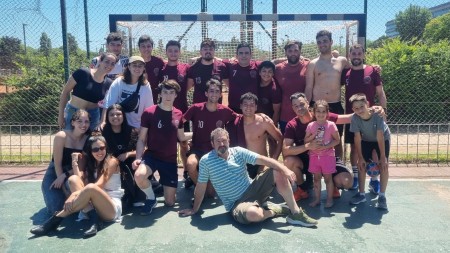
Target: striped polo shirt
<point>229,177</point>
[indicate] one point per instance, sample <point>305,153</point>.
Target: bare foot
<point>329,203</point>
<point>314,203</point>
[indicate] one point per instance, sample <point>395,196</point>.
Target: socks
<point>382,194</point>
<point>149,192</point>
<point>355,171</point>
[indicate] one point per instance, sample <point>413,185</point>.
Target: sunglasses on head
<point>95,150</point>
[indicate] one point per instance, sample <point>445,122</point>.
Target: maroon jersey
<point>179,74</point>
<point>202,73</point>
<point>291,79</point>
<point>152,68</point>
<point>361,81</point>
<point>242,80</point>
<point>296,130</point>
<point>267,97</point>
<point>204,122</point>
<point>162,132</point>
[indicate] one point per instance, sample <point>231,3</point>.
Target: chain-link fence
<point>415,68</point>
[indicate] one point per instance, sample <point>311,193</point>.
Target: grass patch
<point>419,158</point>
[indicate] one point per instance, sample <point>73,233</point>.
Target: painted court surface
<point>418,220</point>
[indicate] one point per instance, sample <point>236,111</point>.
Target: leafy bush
<point>416,79</point>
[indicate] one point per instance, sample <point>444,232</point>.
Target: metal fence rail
<point>410,144</point>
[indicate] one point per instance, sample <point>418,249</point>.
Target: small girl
<point>322,161</point>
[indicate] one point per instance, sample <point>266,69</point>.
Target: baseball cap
<point>135,58</point>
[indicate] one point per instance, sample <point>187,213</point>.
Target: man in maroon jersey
<point>205,117</point>
<point>291,76</point>
<point>205,68</point>
<point>159,132</point>
<point>364,79</point>
<point>153,64</point>
<point>175,70</point>
<point>243,76</point>
<point>295,150</point>
<point>269,94</point>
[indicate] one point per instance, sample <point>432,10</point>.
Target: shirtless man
<point>252,132</point>
<point>323,78</point>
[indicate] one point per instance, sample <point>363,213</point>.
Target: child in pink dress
<point>322,161</point>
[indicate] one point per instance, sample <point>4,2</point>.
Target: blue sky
<point>46,17</point>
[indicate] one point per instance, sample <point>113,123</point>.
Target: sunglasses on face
<point>95,150</point>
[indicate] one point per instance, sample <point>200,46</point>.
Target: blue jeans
<point>70,110</point>
<point>54,198</point>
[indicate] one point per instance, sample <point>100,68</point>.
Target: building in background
<point>436,11</point>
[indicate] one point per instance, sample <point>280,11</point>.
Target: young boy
<point>371,133</point>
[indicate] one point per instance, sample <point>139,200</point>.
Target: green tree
<point>45,44</point>
<point>415,78</point>
<point>9,49</point>
<point>378,42</point>
<point>72,44</point>
<point>438,29</point>
<point>36,91</point>
<point>411,22</point>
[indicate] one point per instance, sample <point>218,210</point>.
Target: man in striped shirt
<point>226,168</point>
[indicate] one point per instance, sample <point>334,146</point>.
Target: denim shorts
<point>93,113</point>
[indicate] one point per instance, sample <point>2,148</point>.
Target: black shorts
<point>340,167</point>
<point>349,136</point>
<point>368,146</point>
<point>253,170</point>
<point>335,108</point>
<point>304,157</point>
<point>187,126</point>
<point>168,172</point>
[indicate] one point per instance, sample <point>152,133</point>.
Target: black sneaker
<point>188,183</point>
<point>148,207</point>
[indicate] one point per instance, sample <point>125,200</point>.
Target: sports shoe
<point>300,194</point>
<point>355,184</point>
<point>381,204</point>
<point>374,186</point>
<point>148,207</point>
<point>278,209</point>
<point>336,193</point>
<point>302,219</point>
<point>358,198</point>
<point>188,183</point>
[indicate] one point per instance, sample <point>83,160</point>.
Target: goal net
<point>267,34</point>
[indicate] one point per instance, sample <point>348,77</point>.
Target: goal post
<point>266,33</point>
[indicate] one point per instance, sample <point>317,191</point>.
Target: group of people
<point>131,113</point>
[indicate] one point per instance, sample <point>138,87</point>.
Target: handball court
<point>418,220</point>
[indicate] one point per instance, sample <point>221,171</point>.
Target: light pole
<point>24,37</point>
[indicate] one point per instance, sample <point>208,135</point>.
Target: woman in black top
<point>87,88</point>
<point>122,140</point>
<point>54,184</point>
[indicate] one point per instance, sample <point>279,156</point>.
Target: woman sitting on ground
<point>121,139</point>
<point>54,184</point>
<point>96,191</point>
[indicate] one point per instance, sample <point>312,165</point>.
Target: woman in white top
<point>126,85</point>
<point>96,191</point>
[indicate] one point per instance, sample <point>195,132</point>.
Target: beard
<point>222,150</point>
<point>356,62</point>
<point>208,57</point>
<point>293,59</point>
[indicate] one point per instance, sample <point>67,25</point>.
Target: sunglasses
<point>95,150</point>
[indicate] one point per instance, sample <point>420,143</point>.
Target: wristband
<point>67,174</point>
